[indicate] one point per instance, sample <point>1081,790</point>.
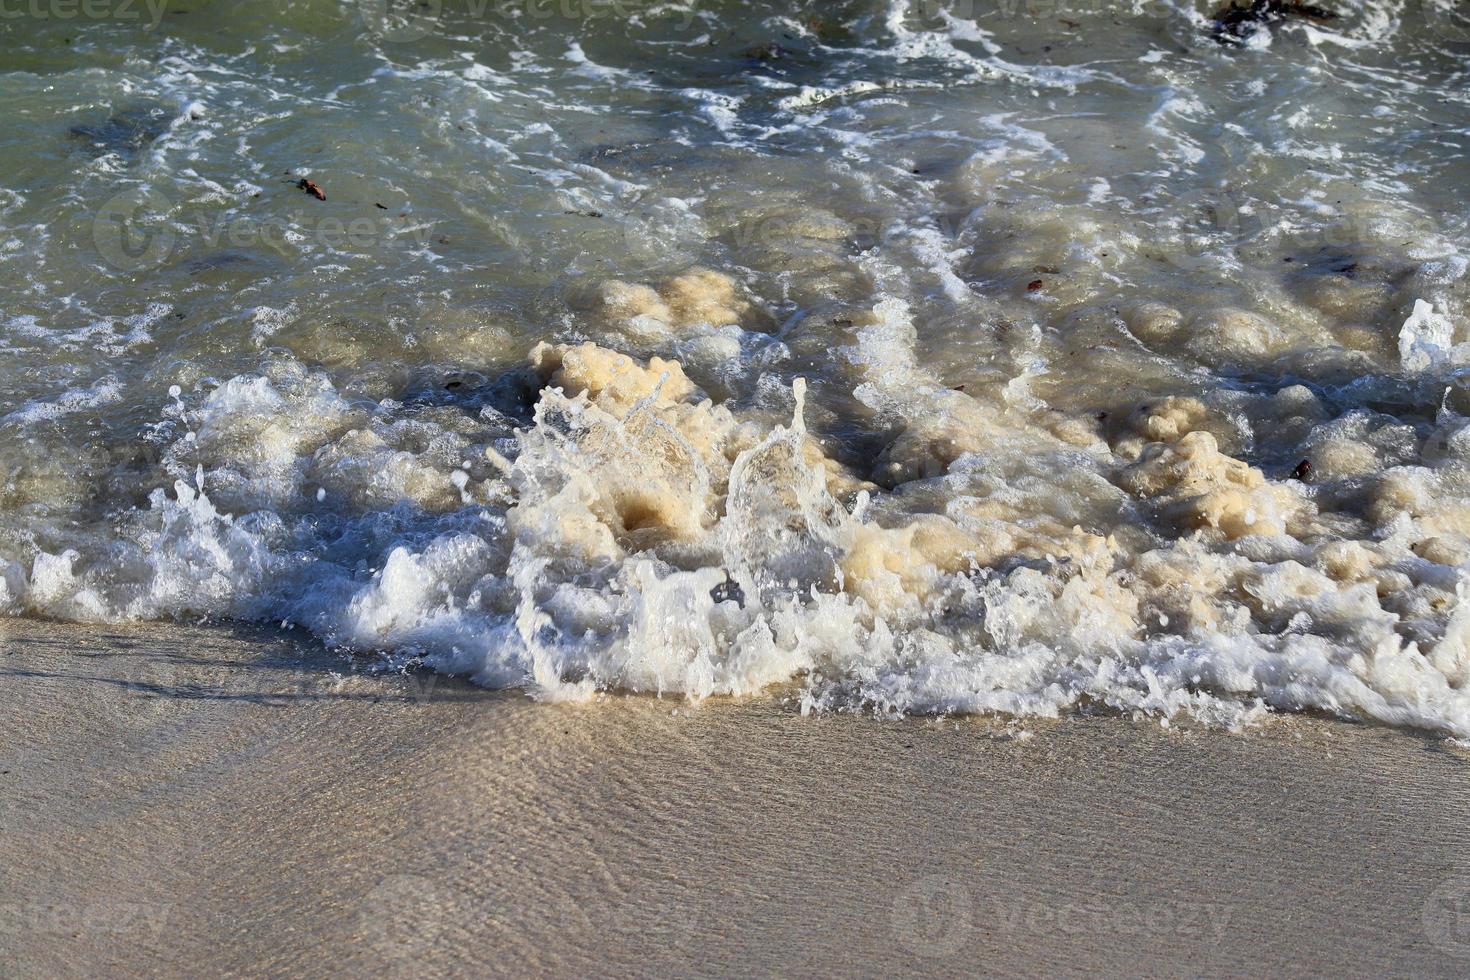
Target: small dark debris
<point>1102,416</point>
<point>1034,285</point>
<point>586,214</point>
<point>1302,470</point>
<point>727,591</point>
<point>311,188</point>
<point>1234,23</point>
<point>380,207</point>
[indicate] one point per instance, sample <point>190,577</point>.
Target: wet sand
<point>186,800</point>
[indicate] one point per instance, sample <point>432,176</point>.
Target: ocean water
<point>1015,356</point>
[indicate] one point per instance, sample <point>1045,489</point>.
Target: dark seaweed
<point>126,132</point>
<point>1236,22</point>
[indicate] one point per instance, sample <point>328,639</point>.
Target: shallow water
<point>928,357</point>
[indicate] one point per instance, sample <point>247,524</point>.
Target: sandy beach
<point>219,800</point>
<point>890,487</point>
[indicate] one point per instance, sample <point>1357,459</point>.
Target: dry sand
<point>185,800</point>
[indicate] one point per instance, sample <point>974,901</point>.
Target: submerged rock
<point>126,132</point>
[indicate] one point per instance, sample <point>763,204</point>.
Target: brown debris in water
<point>766,51</point>
<point>1235,21</point>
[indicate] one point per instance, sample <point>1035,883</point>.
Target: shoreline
<point>178,798</point>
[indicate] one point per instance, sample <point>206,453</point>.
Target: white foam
<point>1425,338</point>
<point>1054,400</point>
